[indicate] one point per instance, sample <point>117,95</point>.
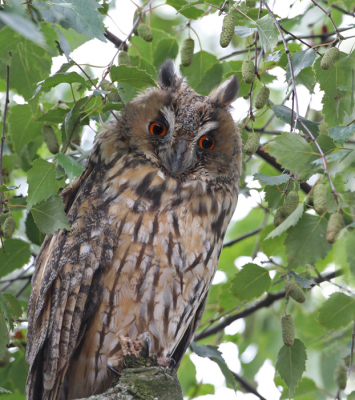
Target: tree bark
<point>143,383</point>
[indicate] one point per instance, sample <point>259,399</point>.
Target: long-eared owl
<point>148,217</point>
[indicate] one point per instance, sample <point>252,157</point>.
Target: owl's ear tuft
<point>169,78</point>
<point>225,94</point>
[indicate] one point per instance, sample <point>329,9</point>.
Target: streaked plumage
<point>148,218</point>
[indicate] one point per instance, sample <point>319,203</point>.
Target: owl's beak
<point>176,160</point>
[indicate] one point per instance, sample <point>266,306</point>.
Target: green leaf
<point>55,115</point>
<point>268,33</point>
<point>81,15</point>
<point>244,31</point>
<point>71,167</point>
<point>214,354</point>
<point>292,152</point>
<point>337,311</point>
<point>5,309</point>
<point>17,253</point>
<point>131,75</point>
<point>23,127</point>
<point>187,374</point>
<point>4,188</point>
<point>201,63</point>
<point>252,281</point>
<point>304,388</point>
<point>350,246</point>
<point>145,49</point>
<point>291,220</point>
<point>336,102</point>
<point>306,283</point>
<point>207,351</point>
<point>74,39</point>
<point>2,390</point>
<point>305,242</point>
<point>29,63</point>
<point>32,231</point>
<point>41,182</point>
<point>273,195</point>
<point>300,60</point>
<point>4,333</point>
<point>14,306</point>
<point>143,65</point>
<point>285,114</point>
<point>62,77</point>
<point>112,106</point>
<point>64,44</point>
<point>50,216</point>
<point>190,13</point>
<point>167,48</point>
<point>291,363</point>
<point>71,121</point>
<point>272,180</point>
<point>341,134</point>
<point>212,78</point>
<point>23,26</point>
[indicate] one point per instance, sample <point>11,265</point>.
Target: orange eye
<point>206,143</point>
<point>157,129</point>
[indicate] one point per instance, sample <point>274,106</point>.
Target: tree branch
<point>115,40</point>
<point>269,299</point>
<point>2,197</point>
<point>247,386</point>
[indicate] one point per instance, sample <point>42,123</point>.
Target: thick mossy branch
<point>143,383</point>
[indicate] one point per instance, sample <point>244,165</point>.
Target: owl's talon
<point>165,361</point>
<point>172,363</point>
<point>113,370</point>
<point>148,343</point>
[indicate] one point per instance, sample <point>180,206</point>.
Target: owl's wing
<point>69,270</point>
<point>185,341</point>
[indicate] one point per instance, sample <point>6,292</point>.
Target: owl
<point>148,217</point>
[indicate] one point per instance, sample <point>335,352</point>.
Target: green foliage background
<point>318,146</point>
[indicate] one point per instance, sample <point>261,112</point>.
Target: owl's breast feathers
<point>140,257</point>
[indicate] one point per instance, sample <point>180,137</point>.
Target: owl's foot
<point>166,362</point>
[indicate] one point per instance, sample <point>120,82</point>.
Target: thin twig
<point>269,299</point>
<point>288,57</point>
<point>246,385</point>
<point>240,238</point>
<point>330,17</point>
<point>319,36</point>
<point>299,39</point>
<point>325,163</point>
<point>87,75</point>
<point>125,41</point>
<point>23,287</point>
<point>352,13</point>
<point>19,275</point>
<point>2,197</point>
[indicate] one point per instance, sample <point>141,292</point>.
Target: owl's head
<point>185,134</point>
